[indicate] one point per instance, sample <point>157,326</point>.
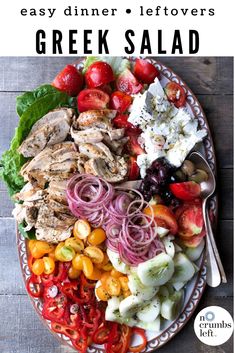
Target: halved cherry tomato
<point>134,170</point>
<point>133,145</point>
<point>121,121</point>
<point>64,253</point>
<point>92,99</point>
<point>99,73</point>
<point>49,265</point>
<point>187,191</point>
<point>97,236</point>
<point>87,266</point>
<point>140,332</point>
<point>163,214</point>
<point>69,80</point>
<point>112,285</point>
<point>124,283</point>
<point>81,229</point>
<point>77,262</point>
<point>75,243</point>
<point>96,275</point>
<point>145,71</point>
<point>116,274</point>
<point>36,253</point>
<point>126,82</point>
<point>44,247</point>
<point>73,273</point>
<point>102,293</point>
<point>31,244</point>
<point>38,267</point>
<point>120,101</point>
<point>95,254</point>
<point>175,94</point>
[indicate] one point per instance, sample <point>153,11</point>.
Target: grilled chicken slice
<point>116,146</point>
<point>49,130</point>
<point>112,171</point>
<point>97,150</point>
<point>100,119</point>
<point>57,190</point>
<point>51,235</point>
<point>49,217</point>
<point>86,136</point>
<point>58,161</point>
<point>29,193</point>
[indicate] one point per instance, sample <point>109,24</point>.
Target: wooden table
<point>211,79</point>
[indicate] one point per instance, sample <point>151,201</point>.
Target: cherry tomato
<point>102,293</point>
<point>49,265</point>
<point>96,274</point>
<point>87,266</point>
<point>64,253</point>
<point>116,274</point>
<point>99,73</point>
<point>81,229</point>
<point>31,244</point>
<point>36,253</point>
<point>75,243</point>
<point>126,82</point>
<point>133,145</point>
<point>95,254</point>
<point>163,216</point>
<point>113,286</point>
<point>134,170</point>
<point>175,94</point>
<point>44,247</point>
<point>77,262</point>
<point>92,99</point>
<point>69,80</point>
<point>73,273</point>
<point>120,101</point>
<point>38,267</point>
<point>121,121</point>
<point>145,71</point>
<point>97,236</point>
<point>124,283</point>
<point>187,191</point>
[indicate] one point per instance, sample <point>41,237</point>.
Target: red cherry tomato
<point>175,94</point>
<point>187,191</point>
<point>145,71</point>
<point>92,99</point>
<point>134,169</point>
<point>133,145</point>
<point>121,121</point>
<point>99,73</point>
<point>69,80</point>
<point>126,82</point>
<point>120,101</point>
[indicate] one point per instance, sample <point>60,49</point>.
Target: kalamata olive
<point>199,176</point>
<point>154,189</point>
<point>142,187</point>
<point>179,175</point>
<point>188,167</point>
<point>147,195</point>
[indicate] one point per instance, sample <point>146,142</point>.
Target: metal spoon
<point>215,270</point>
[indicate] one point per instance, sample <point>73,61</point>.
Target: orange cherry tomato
<point>38,267</point>
<point>77,262</point>
<point>36,253</point>
<point>95,254</point>
<point>102,294</point>
<point>81,229</point>
<point>115,273</point>
<point>44,247</point>
<point>107,267</point>
<point>49,265</point>
<point>96,275</point>
<point>31,244</point>
<point>104,277</point>
<point>73,273</point>
<point>113,286</point>
<point>124,283</point>
<point>87,266</point>
<point>97,236</point>
<point>75,243</point>
<point>104,262</point>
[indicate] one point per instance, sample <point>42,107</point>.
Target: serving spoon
<point>215,270</point>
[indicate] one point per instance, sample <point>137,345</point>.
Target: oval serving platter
<point>195,288</point>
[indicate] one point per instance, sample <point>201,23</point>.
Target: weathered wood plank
<point>219,112</point>
<point>204,75</point>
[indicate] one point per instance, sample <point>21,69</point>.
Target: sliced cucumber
<point>150,311</point>
<point>162,232</point>
<point>184,269</point>
<point>170,288</point>
<point>170,307</point>
<point>157,271</point>
<point>114,302</point>
<point>169,246</point>
<point>112,315</point>
<point>194,253</point>
<point>150,326</point>
<point>138,289</point>
<point>163,293</point>
<point>130,306</point>
<point>117,263</point>
<point>178,285</point>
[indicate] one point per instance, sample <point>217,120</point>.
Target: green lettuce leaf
<point>118,64</point>
<point>31,106</point>
<point>30,234</point>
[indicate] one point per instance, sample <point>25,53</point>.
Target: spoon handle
<point>216,252</point>
<point>213,277</point>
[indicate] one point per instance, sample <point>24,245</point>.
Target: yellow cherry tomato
<point>75,243</point>
<point>113,286</point>
<point>107,267</point>
<point>116,274</point>
<point>95,254</point>
<point>104,262</point>
<point>126,293</point>
<point>77,262</point>
<point>96,274</point>
<point>104,278</point>
<point>73,273</point>
<point>44,247</point>
<point>64,253</point>
<point>31,244</point>
<point>36,253</point>
<point>87,266</point>
<point>81,229</point>
<point>38,267</point>
<point>97,236</point>
<point>52,255</point>
<point>102,294</point>
<point>49,265</point>
<point>124,283</point>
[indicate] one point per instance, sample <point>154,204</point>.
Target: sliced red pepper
<point>54,309</point>
<point>34,286</point>
<point>81,343</point>
<point>47,280</point>
<point>101,335</point>
<point>62,272</point>
<point>70,289</point>
<point>140,347</point>
<point>112,335</point>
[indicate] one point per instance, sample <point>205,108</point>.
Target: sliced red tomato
<point>106,88</point>
<point>133,145</point>
<point>186,191</point>
<point>175,94</point>
<point>69,80</point>
<point>134,170</point>
<point>99,73</point>
<point>126,82</point>
<point>121,121</point>
<point>92,99</point>
<point>163,216</point>
<point>120,101</point>
<point>145,71</point>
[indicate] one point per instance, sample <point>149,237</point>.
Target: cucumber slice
<point>178,285</point>
<point>114,303</point>
<point>194,253</point>
<point>169,246</point>
<point>184,269</point>
<point>138,289</point>
<point>170,307</point>
<point>117,263</point>
<point>130,306</point>
<point>163,293</point>
<point>157,271</point>
<point>150,326</point>
<point>170,288</point>
<point>162,232</point>
<point>150,311</point>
